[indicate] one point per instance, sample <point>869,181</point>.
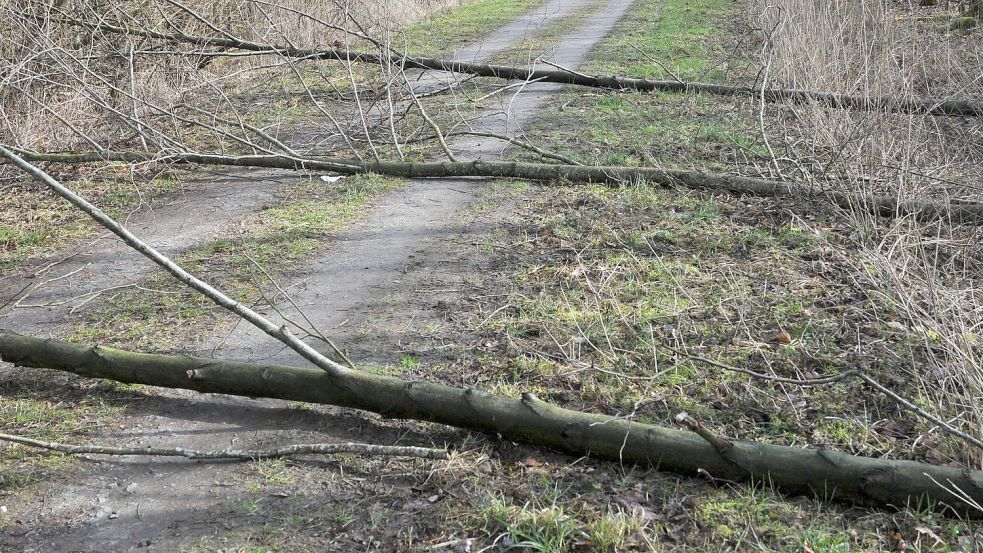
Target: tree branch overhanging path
<point>944,107</point>
<point>826,473</point>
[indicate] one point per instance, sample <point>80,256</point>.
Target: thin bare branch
<point>244,454</point>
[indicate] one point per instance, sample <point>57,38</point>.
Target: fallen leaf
<point>925,531</point>
<point>900,429</point>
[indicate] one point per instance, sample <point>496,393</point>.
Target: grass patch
<point>681,35</point>
<point>54,407</point>
<point>163,313</point>
<point>450,29</point>
<point>34,222</point>
<point>546,526</point>
<point>620,273</point>
<point>688,40</point>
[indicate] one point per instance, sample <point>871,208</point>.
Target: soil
<point>172,223</point>
<point>414,234</point>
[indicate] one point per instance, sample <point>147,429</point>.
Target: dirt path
<point>370,257</point>
<point>179,221</point>
<point>162,505</point>
<point>188,217</point>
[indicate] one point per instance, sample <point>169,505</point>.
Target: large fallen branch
<point>845,101</point>
<point>829,474</point>
<point>889,206</point>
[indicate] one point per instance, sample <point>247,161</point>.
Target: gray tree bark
<point>825,473</point>
<point>970,213</point>
<point>845,101</point>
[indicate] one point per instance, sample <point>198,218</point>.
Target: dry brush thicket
<point>66,85</point>
<point>929,274</point>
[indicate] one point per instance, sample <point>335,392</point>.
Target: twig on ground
<point>313,331</point>
<point>431,122</point>
<point>900,400</point>
<point>520,143</point>
<point>657,62</point>
<point>561,68</point>
<point>248,454</point>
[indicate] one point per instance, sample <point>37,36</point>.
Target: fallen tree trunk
<point>844,101</point>
<point>888,206</point>
<point>828,474</point>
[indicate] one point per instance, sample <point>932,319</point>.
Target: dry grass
<point>72,87</point>
<point>928,275</point>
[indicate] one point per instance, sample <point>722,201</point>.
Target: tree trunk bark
<point>888,206</point>
<point>829,474</point>
<point>845,101</point>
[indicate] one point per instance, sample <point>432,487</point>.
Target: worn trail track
<point>164,504</point>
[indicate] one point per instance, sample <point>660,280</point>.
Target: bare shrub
<point>929,274</point>
<point>65,84</point>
